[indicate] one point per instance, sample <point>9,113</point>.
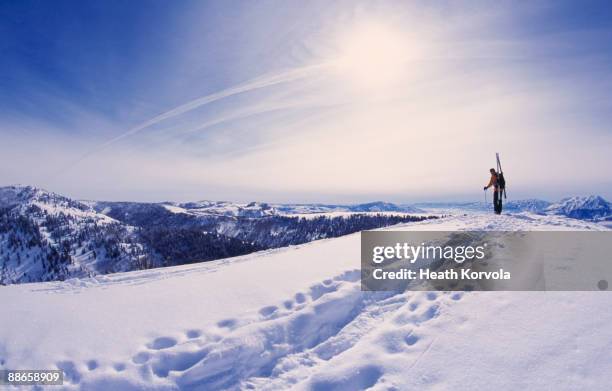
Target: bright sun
<point>373,55</point>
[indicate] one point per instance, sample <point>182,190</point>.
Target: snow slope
<point>45,236</point>
<point>295,318</point>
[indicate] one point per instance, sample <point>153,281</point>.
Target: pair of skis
<point>500,172</point>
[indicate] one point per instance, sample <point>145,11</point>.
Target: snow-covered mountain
<point>222,208</point>
<point>585,208</point>
<point>45,236</point>
<point>296,319</point>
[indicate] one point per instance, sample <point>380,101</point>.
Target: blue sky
<point>305,101</point>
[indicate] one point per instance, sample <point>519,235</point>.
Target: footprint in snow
<point>268,310</point>
<point>432,312</point>
<point>457,296</point>
<point>417,318</point>
<point>411,339</point>
<point>141,358</point>
<point>319,290</point>
<point>162,343</point>
<point>177,361</point>
<point>119,366</point>
<point>191,334</point>
<point>70,372</point>
<point>300,298</point>
<point>227,323</point>
<point>349,276</point>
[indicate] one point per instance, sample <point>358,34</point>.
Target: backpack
<point>501,181</point>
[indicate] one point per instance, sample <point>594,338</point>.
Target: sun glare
<point>373,55</point>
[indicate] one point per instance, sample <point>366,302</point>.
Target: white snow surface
<point>295,318</point>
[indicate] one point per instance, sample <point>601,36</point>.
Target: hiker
<point>497,192</point>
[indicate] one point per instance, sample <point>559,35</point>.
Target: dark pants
<point>497,201</point>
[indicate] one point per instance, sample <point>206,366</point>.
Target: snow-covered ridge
<point>28,199</point>
<point>46,236</point>
<point>222,208</point>
<point>29,195</point>
<point>585,208</point>
<point>376,206</point>
<point>263,209</point>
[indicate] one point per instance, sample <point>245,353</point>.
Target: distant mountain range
<point>261,209</point>
<point>46,236</point>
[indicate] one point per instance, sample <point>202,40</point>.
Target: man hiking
<point>497,192</point>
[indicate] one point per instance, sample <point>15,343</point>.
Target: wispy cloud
<point>251,85</point>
